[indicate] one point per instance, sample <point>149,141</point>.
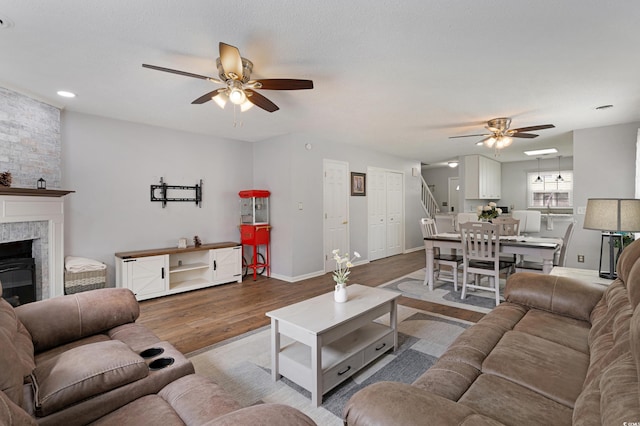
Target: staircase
<point>429,203</point>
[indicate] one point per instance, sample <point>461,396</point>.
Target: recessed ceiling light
<point>453,163</point>
<point>542,151</point>
<point>66,94</point>
<point>601,107</point>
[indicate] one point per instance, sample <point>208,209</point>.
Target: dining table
<point>539,247</point>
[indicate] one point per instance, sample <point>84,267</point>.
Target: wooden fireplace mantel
<point>32,192</point>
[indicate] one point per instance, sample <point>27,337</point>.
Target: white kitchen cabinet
<point>483,177</point>
<point>160,272</point>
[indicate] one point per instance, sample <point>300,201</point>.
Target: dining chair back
<point>559,260</point>
<point>481,257</point>
<point>453,260</point>
<point>508,225</point>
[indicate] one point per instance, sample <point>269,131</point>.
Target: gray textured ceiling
<point>394,76</point>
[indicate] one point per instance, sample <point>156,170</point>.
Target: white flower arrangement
<point>343,264</point>
<point>489,211</point>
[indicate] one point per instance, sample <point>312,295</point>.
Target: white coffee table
<point>332,341</point>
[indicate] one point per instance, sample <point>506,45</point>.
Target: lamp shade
<point>613,214</point>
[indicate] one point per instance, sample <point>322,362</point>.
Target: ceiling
<point>394,76</point>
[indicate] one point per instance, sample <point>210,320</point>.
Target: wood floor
<point>196,319</point>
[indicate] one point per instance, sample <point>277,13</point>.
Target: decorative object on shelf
<point>341,274</point>
<point>5,179</point>
<point>41,184</point>
<point>489,211</point>
<point>358,184</point>
<point>164,190</point>
<point>182,243</point>
<point>196,241</point>
<point>612,216</point>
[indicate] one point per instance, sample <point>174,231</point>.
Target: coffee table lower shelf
<point>340,359</point>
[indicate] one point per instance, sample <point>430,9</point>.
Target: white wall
<point>111,165</point>
<point>439,177</point>
<point>293,169</point>
<point>604,167</point>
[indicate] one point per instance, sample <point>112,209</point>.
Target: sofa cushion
<point>566,331</point>
<point>545,367</point>
<point>148,410</point>
<point>13,415</point>
<point>512,404</point>
<point>197,400</point>
<point>54,322</point>
<point>83,372</point>
<point>16,353</point>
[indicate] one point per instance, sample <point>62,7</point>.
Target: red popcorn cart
<point>255,231</point>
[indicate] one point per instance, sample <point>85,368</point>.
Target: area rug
<point>242,366</point>
<point>412,285</point>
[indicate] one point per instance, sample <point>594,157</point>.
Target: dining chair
<point>464,218</point>
<point>481,256</point>
<point>536,266</point>
<point>429,228</point>
<point>509,227</point>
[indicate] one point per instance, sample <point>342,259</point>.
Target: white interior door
<point>377,195</point>
<point>385,190</point>
<point>336,210</point>
<point>394,212</point>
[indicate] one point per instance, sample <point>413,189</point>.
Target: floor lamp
<point>612,216</point>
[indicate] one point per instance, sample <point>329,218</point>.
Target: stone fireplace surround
<point>37,216</point>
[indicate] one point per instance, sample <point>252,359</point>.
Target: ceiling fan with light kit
<point>234,73</point>
<point>501,136</point>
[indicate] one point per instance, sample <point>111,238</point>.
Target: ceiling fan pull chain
<point>236,123</point>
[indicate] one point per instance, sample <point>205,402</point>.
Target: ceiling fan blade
<point>468,136</point>
<point>284,84</point>
<point>530,128</point>
<point>258,100</point>
<point>524,135</point>
<point>184,73</point>
<point>231,61</point>
<point>207,97</point>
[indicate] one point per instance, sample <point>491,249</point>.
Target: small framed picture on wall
<point>358,184</point>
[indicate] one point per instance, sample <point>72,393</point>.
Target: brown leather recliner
<point>82,358</point>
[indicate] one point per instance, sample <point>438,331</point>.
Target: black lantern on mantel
<point>42,184</point>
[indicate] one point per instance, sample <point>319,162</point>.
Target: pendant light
<point>538,179</point>
<point>559,178</point>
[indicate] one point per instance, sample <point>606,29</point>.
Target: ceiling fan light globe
<point>490,142</point>
<point>506,141</point>
<point>246,106</point>
<point>237,96</point>
<point>221,100</point>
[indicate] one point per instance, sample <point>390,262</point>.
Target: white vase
<point>340,293</point>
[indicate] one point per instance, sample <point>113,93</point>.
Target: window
<point>551,192</point>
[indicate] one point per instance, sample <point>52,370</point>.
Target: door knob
<point>345,222</point>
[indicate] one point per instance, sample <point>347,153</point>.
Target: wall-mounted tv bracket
<point>163,195</point>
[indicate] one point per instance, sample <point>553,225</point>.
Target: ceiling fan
<point>500,135</point>
<point>235,73</point>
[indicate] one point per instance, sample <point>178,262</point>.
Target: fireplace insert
<point>17,273</point>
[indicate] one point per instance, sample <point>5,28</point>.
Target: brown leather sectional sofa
<point>557,352</point>
<point>82,359</point>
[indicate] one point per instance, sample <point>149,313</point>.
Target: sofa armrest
<point>54,322</point>
<point>391,403</point>
<point>560,295</point>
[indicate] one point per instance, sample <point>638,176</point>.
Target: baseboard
<point>413,249</point>
<point>309,275</point>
